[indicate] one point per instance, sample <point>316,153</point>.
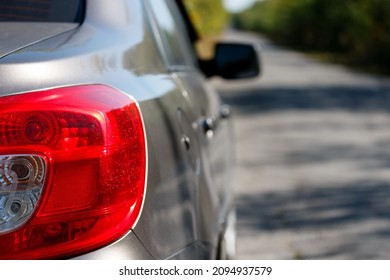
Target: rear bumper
<point>127,248</point>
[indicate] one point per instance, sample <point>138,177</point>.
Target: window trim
<point>162,43</point>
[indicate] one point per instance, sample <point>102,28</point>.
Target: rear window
<point>42,10</point>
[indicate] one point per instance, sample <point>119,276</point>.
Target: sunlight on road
<point>313,156</point>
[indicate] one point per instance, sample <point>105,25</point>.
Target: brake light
<point>72,170</point>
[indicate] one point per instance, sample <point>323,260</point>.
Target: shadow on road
<point>264,100</point>
<point>314,161</point>
<point>352,197</point>
<point>324,208</point>
<point>317,206</point>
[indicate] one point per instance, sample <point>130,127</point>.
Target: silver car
<point>113,145</point>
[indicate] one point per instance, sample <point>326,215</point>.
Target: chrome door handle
<point>209,124</point>
<point>225,112</point>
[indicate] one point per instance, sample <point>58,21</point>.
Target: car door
<point>208,134</point>
<point>215,136</point>
<point>169,223</point>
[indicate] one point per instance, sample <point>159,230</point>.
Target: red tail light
<point>72,170</point>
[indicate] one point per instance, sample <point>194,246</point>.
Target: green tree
<point>357,31</point>
<point>208,16</point>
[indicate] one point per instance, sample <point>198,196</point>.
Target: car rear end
<point>73,151</point>
<point>103,153</point>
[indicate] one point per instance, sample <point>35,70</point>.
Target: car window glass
<point>176,46</point>
<point>42,11</point>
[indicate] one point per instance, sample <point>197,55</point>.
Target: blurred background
<point>356,32</point>
<point>313,132</point>
<point>352,32</point>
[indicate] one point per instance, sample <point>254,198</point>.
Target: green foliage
<point>208,16</point>
<point>357,29</point>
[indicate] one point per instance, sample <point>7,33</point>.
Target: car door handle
<point>225,112</point>
<point>209,124</point>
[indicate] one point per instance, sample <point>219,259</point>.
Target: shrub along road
<point>313,159</point>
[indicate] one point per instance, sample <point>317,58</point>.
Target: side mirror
<point>233,61</point>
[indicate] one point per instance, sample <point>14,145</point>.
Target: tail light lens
<point>72,170</point>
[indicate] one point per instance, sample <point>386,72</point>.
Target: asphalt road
<point>313,159</point>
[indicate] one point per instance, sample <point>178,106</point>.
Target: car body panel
<point>188,189</point>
